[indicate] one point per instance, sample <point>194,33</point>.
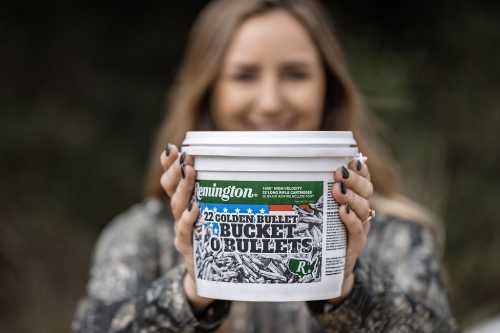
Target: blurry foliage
<point>440,103</point>
<point>82,92</point>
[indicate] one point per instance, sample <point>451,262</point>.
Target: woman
<point>266,65</point>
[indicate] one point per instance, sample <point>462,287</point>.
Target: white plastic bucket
<point>268,228</point>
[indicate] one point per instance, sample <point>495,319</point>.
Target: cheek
<point>229,105</point>
<point>307,100</point>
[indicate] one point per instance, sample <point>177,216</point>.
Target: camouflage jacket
<point>136,276</point>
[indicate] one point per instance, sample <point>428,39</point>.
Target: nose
<point>269,100</point>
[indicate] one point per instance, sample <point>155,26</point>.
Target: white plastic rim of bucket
<point>270,144</point>
<point>269,138</point>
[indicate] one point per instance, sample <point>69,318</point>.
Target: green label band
<point>250,192</point>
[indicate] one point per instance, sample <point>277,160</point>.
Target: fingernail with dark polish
<point>342,188</point>
<point>345,172</point>
<point>183,156</point>
<point>183,174</point>
<point>347,209</point>
<point>167,149</point>
<point>359,165</point>
<point>190,206</point>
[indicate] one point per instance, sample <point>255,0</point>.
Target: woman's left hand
<point>352,190</point>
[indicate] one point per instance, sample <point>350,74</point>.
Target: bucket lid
<point>270,143</point>
<point>238,138</point>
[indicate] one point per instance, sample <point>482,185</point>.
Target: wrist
<point>346,289</point>
<point>197,302</point>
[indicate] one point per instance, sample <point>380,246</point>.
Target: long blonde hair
<point>189,99</point>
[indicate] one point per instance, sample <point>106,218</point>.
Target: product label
<point>259,231</point>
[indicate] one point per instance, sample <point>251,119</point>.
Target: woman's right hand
<point>178,181</point>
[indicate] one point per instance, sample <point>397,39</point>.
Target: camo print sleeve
<point>125,293</point>
<point>398,285</point>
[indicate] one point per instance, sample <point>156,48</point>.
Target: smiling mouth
<point>270,126</point>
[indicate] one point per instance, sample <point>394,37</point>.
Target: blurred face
<point>271,78</point>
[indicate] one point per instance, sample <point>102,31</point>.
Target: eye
<point>296,75</point>
<point>295,72</point>
<point>244,76</point>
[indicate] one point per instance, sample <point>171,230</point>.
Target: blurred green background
<point>82,91</point>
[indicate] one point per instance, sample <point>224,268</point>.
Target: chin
<point>272,129</point>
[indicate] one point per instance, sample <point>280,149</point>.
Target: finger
<point>186,159</point>
<point>359,167</point>
<point>170,178</point>
<point>354,181</point>
<point>171,154</point>
<point>184,231</point>
<point>356,235</point>
<point>183,192</point>
<point>343,195</point>
<point>366,227</point>
<point>168,156</point>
